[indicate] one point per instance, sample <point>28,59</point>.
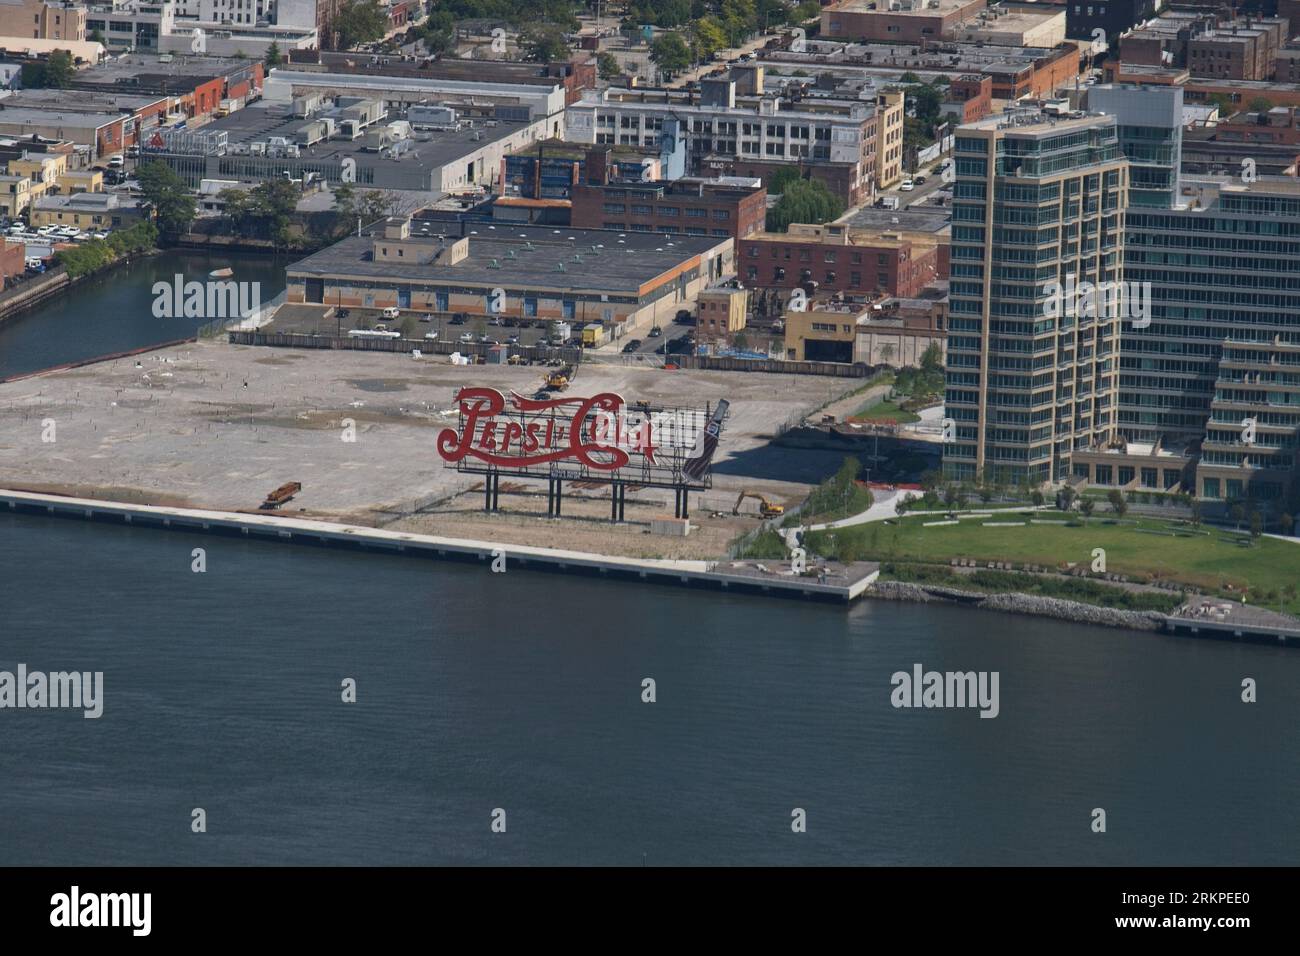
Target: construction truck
<point>281,495</point>
<point>766,508</point>
<point>559,380</point>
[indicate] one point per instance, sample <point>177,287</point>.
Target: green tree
<point>783,177</point>
<point>1261,104</point>
<point>924,101</point>
<point>932,358</point>
<point>607,64</point>
<point>1196,513</point>
<point>273,57</point>
<point>803,201</point>
<point>806,11</point>
<point>1256,525</point>
<point>1036,498</point>
<point>1287,522</point>
<point>170,197</point>
<point>670,53</point>
<point>273,204</point>
<point>1238,515</point>
<point>1118,505</point>
<point>544,44</point>
<point>359,21</point>
<point>1086,507</point>
<point>1065,498</point>
<point>55,72</point>
<point>1223,102</point>
<point>710,37</point>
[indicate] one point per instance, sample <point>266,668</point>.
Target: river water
<point>523,692</point>
<point>114,312</point>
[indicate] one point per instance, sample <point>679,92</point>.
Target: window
<point>722,214</point>
<point>642,210</point>
<point>615,207</point>
<point>696,213</point>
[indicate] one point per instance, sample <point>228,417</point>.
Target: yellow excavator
<point>766,508</point>
<point>559,380</point>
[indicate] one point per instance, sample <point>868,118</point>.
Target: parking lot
<point>673,338</point>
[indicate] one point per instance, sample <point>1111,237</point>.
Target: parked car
<point>467,337</point>
<point>512,340</point>
<point>426,317</point>
<point>343,313</point>
<point>632,346</point>
<point>655,332</point>
<point>906,186</point>
<point>919,180</point>
<point>683,316</point>
<point>431,336</point>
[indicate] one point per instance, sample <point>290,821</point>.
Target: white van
<point>392,313</point>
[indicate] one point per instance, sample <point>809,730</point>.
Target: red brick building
<point>970,98</point>
<point>838,259</point>
<point>13,261</point>
<point>693,207</point>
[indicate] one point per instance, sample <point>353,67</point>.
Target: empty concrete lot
<point>218,426</point>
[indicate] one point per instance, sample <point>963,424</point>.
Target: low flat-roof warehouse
<point>588,275</point>
<point>350,137</point>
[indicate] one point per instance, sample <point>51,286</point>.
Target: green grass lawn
<point>886,410</point>
<point>1206,558</point>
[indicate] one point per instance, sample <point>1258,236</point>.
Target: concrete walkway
<point>883,507</point>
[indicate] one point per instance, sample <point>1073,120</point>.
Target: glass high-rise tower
<point>1214,379</point>
<point>1038,205</point>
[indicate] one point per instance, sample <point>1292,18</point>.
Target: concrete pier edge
<point>279,528</point>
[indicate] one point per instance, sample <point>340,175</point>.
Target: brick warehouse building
<point>731,206</point>
<point>839,259</point>
<point>623,282</point>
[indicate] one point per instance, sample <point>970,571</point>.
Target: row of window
<point>665,229</point>
<point>618,209</point>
